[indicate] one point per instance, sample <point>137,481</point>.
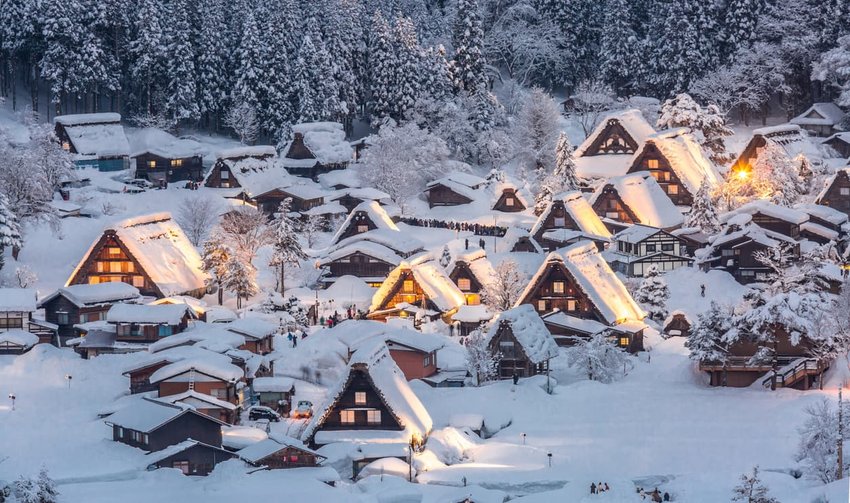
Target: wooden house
<point>414,353</point>
<point>523,343</point>
<point>454,189</point>
<point>692,238</point>
<point>275,392</point>
<point>639,247</point>
<point>635,199</point>
<point>160,157</point>
<point>567,219</point>
<point>16,341</point>
<point>140,373</point>
<point>150,252</point>
<point>17,307</point>
<point>152,425</point>
<point>820,119</point>
<point>317,148</point>
<point>210,376</point>
<point>578,282</point>
<point>147,323</point>
<point>836,192</point>
<point>280,452</point>
<point>419,285</point>
<point>76,304</point>
<point>786,221</point>
<point>255,169</point>
<point>609,148</point>
<point>371,262</point>
<point>792,367</point>
<point>519,240</point>
<point>678,164</point>
<point>677,324</point>
<point>470,270</point>
<point>840,142</point>
<point>258,333</point>
<point>216,408</point>
<point>94,140</point>
<point>190,457</point>
<point>302,198</point>
<point>371,402</point>
<point>365,217</point>
<point>351,197</point>
<point>824,224</point>
<point>790,137</point>
<point>510,198</point>
<point>734,250</point>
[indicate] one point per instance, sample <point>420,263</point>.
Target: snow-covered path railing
<point>790,374</point>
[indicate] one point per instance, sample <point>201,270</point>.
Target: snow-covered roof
<point>820,114</point>
<point>529,330</point>
<point>258,151</point>
<point>746,231</point>
<point>255,453</point>
<point>253,327</point>
<point>562,319</point>
<point>603,166</point>
<point>826,213</point>
<point>686,158</point>
<point>790,215</point>
<point>791,138</point>
<point>376,214</point>
<point>632,121</point>
<point>147,415</point>
<point>364,193</point>
<point>167,314</point>
<point>636,233</point>
<point>472,314</point>
<point>17,299</point>
<point>647,200</point>
<point>164,252</point>
<point>93,294</point>
<point>18,337</point>
<point>369,248</point>
<point>273,384</point>
<point>431,277</point>
<point>467,180</point>
<point>595,278</point>
<point>152,458</point>
<point>325,140</point>
<point>356,334</point>
<point>514,234</point>
<point>581,212</point>
<point>198,400</point>
<point>98,135</point>
<point>400,242</point>
<point>212,367</point>
<point>158,142</point>
<point>392,387</point>
<point>347,177</point>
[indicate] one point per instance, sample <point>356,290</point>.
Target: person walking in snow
<point>606,487</point>
<point>702,290</point>
<point>515,378</point>
<point>592,488</point>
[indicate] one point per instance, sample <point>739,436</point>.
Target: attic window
<point>408,285</point>
<point>652,163</point>
<point>558,287</point>
<point>66,146</point>
<point>541,305</point>
<point>360,397</point>
<point>464,284</point>
<point>362,228</point>
<point>509,201</point>
<point>844,191</point>
<point>571,305</point>
<point>673,189</point>
<point>113,251</point>
<point>138,281</point>
<point>560,222</point>
<point>176,163</point>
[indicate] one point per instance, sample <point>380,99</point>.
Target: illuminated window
<point>101,266</point>
<point>509,201</point>
<point>652,163</point>
<point>408,285</point>
<point>93,280</point>
<point>571,305</point>
<point>66,146</point>
<point>115,266</point>
<point>624,341</point>
<point>176,163</point>
<point>541,305</point>
<point>138,281</point>
<point>472,299</point>
<point>558,286</point>
<point>611,214</point>
<point>373,416</point>
<point>152,164</point>
<point>673,189</point>
<point>360,397</point>
<point>362,228</point>
<point>113,251</point>
<point>464,284</point>
<point>346,416</point>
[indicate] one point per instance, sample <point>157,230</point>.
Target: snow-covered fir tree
<point>711,335</point>
<point>286,248</point>
<point>817,449</point>
<point>653,294</point>
<point>10,230</point>
<point>437,81</point>
<point>708,124</point>
<point>382,65</point>
<point>279,46</point>
<point>468,64</point>
<point>563,178</point>
<point>445,257</point>
<point>408,68</point>
<point>250,65</point>
<point>214,59</point>
<point>481,363</point>
<point>215,256</point>
<point>703,214</point>
<point>752,490</point>
<point>147,49</point>
<point>298,311</point>
<point>740,24</point>
<point>240,277</point>
<point>834,68</point>
<point>620,47</point>
<point>535,130</point>
<point>41,489</point>
<point>598,358</point>
<point>181,103</point>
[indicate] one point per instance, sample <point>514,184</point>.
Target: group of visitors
<point>477,229</point>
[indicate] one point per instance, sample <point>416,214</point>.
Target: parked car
<point>304,410</point>
<point>260,412</point>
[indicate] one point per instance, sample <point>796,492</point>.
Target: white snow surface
<point>529,330</point>
<point>17,299</point>
<point>165,314</point>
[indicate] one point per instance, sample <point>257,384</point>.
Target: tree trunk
<point>282,278</point>
<point>220,294</point>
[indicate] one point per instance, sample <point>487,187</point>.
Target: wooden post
<point>840,473</point>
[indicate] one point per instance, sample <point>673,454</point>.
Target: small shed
<point>16,342</point>
<point>190,457</point>
<point>820,119</point>
<point>280,452</point>
<point>275,392</point>
<point>677,324</point>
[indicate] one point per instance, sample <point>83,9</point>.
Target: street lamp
<point>68,377</point>
<point>523,438</point>
<point>549,455</point>
<point>12,397</point>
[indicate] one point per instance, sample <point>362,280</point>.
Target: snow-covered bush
<point>599,358</point>
<point>817,450</point>
<point>751,489</point>
<point>504,288</point>
<point>482,364</point>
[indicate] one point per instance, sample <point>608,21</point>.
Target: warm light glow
<point>743,174</point>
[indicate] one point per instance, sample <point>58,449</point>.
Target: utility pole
<point>840,474</point>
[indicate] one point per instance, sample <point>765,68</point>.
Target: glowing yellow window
<point>408,285</point>
<point>151,164</point>
<point>624,341</point>
<point>66,146</point>
<point>138,281</point>
<point>346,416</point>
<point>360,397</point>
<point>176,163</point>
<point>464,284</point>
<point>652,163</point>
<point>509,201</point>
<point>113,251</point>
<point>362,228</point>
<point>558,286</point>
<point>673,189</point>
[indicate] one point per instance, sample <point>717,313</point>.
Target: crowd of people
<point>477,229</point>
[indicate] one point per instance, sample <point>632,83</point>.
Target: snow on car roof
<point>529,330</point>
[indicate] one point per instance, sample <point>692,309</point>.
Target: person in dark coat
<point>515,378</point>
<point>592,488</point>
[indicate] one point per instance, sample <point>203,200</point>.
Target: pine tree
<point>653,294</point>
<point>216,254</point>
<point>181,103</point>
<point>409,68</point>
<point>817,449</point>
<point>703,215</point>
<point>214,59</point>
<point>707,124</point>
<point>619,47</point>
<point>250,65</point>
<point>147,49</point>
<point>287,249</point>
<point>468,40</point>
<point>710,337</point>
<point>320,99</point>
<point>240,277</point>
<point>10,230</point>
<point>445,257</point>
<point>63,37</point>
<point>437,81</point>
<point>751,489</point>
<point>279,48</point>
<point>563,178</point>
<point>346,41</point>
<point>740,24</point>
<point>382,62</point>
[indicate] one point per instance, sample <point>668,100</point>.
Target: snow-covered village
<point>425,251</point>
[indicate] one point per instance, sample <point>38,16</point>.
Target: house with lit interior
<point>159,156</point>
<point>635,198</point>
<point>94,140</point>
<point>790,137</point>
<point>639,247</point>
<point>522,341</point>
<point>76,304</point>
<point>568,218</point>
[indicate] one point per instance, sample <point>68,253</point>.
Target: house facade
<point>640,247</point>
<point>78,304</point>
<point>94,140</point>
